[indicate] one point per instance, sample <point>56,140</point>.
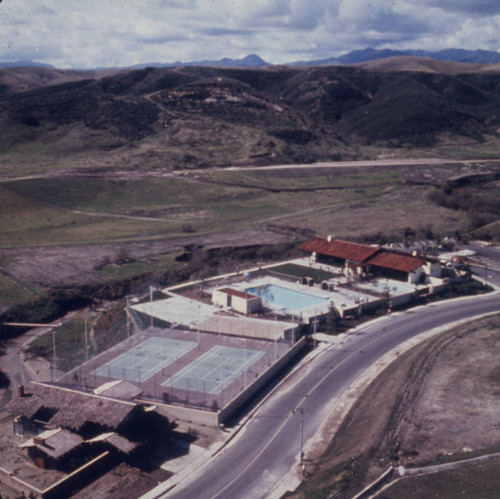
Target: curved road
<point>269,446</point>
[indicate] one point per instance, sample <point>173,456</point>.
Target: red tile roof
<point>239,294</point>
<point>394,261</point>
<point>340,249</point>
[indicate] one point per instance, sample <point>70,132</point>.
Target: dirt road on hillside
<point>115,173</point>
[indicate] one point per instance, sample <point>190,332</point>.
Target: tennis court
<point>215,369</point>
<point>144,360</point>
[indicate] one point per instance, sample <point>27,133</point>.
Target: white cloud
<point>96,33</point>
<point>475,8</point>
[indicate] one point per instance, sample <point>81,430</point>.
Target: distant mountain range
<point>20,64</point>
<point>354,57</point>
<point>250,61</point>
<point>370,54</point>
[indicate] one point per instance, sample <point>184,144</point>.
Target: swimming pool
<point>284,298</point>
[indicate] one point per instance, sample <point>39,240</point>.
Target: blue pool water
<point>288,299</point>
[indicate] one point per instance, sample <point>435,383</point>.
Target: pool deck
<point>348,295</point>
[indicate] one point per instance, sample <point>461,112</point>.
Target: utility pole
<point>86,341</point>
<point>301,435</point>
<point>151,303</point>
<point>128,317</point>
<point>314,333</point>
<point>245,365</point>
<point>54,348</point>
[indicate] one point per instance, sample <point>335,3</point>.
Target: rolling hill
<point>204,116</point>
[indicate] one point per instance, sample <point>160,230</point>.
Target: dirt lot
<point>439,401</point>
<point>56,266</point>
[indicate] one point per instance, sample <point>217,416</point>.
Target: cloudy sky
<point>104,33</point>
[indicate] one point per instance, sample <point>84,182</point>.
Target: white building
<point>239,301</point>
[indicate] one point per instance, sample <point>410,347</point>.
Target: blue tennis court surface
<point>143,361</point>
<point>215,369</point>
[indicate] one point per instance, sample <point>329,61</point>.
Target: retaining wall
<point>13,487</point>
<point>254,387</point>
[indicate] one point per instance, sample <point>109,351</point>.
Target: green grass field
<point>69,342</point>
<point>159,263</point>
<point>299,271</point>
<point>75,210</point>
<point>12,293</point>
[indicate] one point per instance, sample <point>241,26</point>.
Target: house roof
<point>238,293</point>
<point>337,248</point>
<point>121,443</point>
<point>117,441</point>
<point>161,411</point>
<point>54,443</point>
<point>394,261</point>
<point>72,408</point>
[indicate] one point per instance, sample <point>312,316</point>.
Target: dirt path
<point>114,173</point>
<point>369,164</point>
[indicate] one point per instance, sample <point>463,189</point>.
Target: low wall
<point>399,300</point>
<point>13,487</point>
<point>438,285</point>
<point>80,477</point>
<point>191,415</point>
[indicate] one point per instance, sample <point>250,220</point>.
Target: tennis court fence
<point>204,371</point>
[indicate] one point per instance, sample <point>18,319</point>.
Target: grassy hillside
<point>175,118</point>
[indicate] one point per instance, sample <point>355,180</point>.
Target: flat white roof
<point>247,326</point>
<point>177,310</point>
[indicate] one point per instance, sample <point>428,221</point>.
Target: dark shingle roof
<point>55,443</point>
<point>72,408</point>
<point>117,441</point>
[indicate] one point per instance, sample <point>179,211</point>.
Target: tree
<point>409,236</point>
<point>332,318</point>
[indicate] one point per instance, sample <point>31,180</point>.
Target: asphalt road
<point>269,446</point>
<point>488,261</point>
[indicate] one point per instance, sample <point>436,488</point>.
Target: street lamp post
<point>86,341</point>
<point>301,436</point>
<point>54,348</point>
